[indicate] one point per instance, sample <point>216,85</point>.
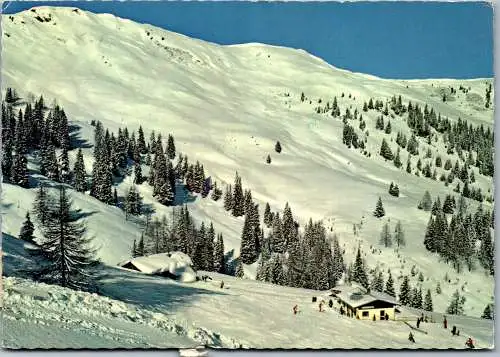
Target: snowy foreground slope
<point>138,311</point>
<point>226,107</point>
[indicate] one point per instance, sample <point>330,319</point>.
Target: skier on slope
<point>321,306</point>
<point>469,343</point>
<point>410,338</point>
<point>445,323</point>
<point>295,309</point>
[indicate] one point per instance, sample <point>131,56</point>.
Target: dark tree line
<point>181,234</point>
<point>455,238</point>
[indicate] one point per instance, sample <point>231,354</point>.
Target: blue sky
<point>387,39</point>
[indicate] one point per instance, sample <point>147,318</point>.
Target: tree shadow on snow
<point>182,194</point>
<point>149,291</point>
<point>75,139</point>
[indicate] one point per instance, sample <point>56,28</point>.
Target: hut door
<point>382,314</point>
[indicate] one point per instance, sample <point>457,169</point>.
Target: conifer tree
<point>277,239</point>
<point>216,193</point>
<point>456,306</point>
<point>379,209</point>
<point>42,204</point>
<point>140,247</point>
<point>238,202</point>
<point>486,253</point>
<point>399,236</point>
<point>141,142</point>
<point>388,127</point>
<point>359,273</point>
<point>228,198</point>
<point>268,220</point>
<point>80,175</point>
<point>171,147</point>
<point>134,250</point>
<point>378,282</point>
<point>385,151</point>
<point>219,262</point>
<point>404,292</point>
<point>133,202</point>
<point>338,260</point>
<point>428,301</point>
<point>239,273</point>
<point>408,164</point>
<point>138,179</point>
<point>277,147</point>
<point>248,251</point>
<point>385,236</point>
<point>389,286</point>
<point>65,247</point>
<point>65,175</point>
<point>426,202</point>
<point>27,229</point>
<point>488,312</point>
<point>397,159</point>
<point>438,288</point>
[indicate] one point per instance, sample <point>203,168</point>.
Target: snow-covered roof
<point>356,296</point>
<point>175,263</point>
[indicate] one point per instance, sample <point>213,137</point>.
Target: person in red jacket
<point>469,343</point>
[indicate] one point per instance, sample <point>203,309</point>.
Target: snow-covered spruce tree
<point>277,147</point>
<point>290,232</point>
<point>436,206</point>
<point>19,175</point>
<point>385,236</point>
<point>338,260</point>
<point>138,179</point>
<point>426,202</point>
<point>359,272</point>
<point>379,209</point>
<point>216,192</point>
<point>7,157</point>
<point>428,301</point>
<point>133,202</point>
<point>248,251</point>
<point>389,286</point>
<point>405,292</point>
<point>267,216</point>
<point>399,236</point>
<point>239,273</point>
<point>277,239</point>
<point>486,253</point>
<point>141,142</point>
<point>79,173</point>
<point>42,204</point>
<point>248,201</point>
<point>397,159</point>
<point>456,306</point>
<point>27,229</point>
<point>394,190</point>
<point>377,282</point>
<point>228,198</point>
<point>140,247</point>
<point>208,252</point>
<point>102,176</point>
<point>65,171</point>
<point>134,250</point>
<point>238,202</point>
<point>417,298</point>
<point>448,206</point>
<point>385,151</point>
<point>69,255</point>
<point>489,312</point>
<point>219,262</point>
<point>171,147</point>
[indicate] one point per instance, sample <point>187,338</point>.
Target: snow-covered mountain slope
<point>136,310</point>
<point>226,107</point>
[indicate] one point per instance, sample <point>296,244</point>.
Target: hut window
<point>365,313</point>
<point>382,312</point>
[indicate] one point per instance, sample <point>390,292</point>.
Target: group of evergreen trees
<point>386,238</point>
<point>455,239</point>
<point>413,297</point>
<point>32,130</point>
<point>181,234</point>
<point>300,260</point>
